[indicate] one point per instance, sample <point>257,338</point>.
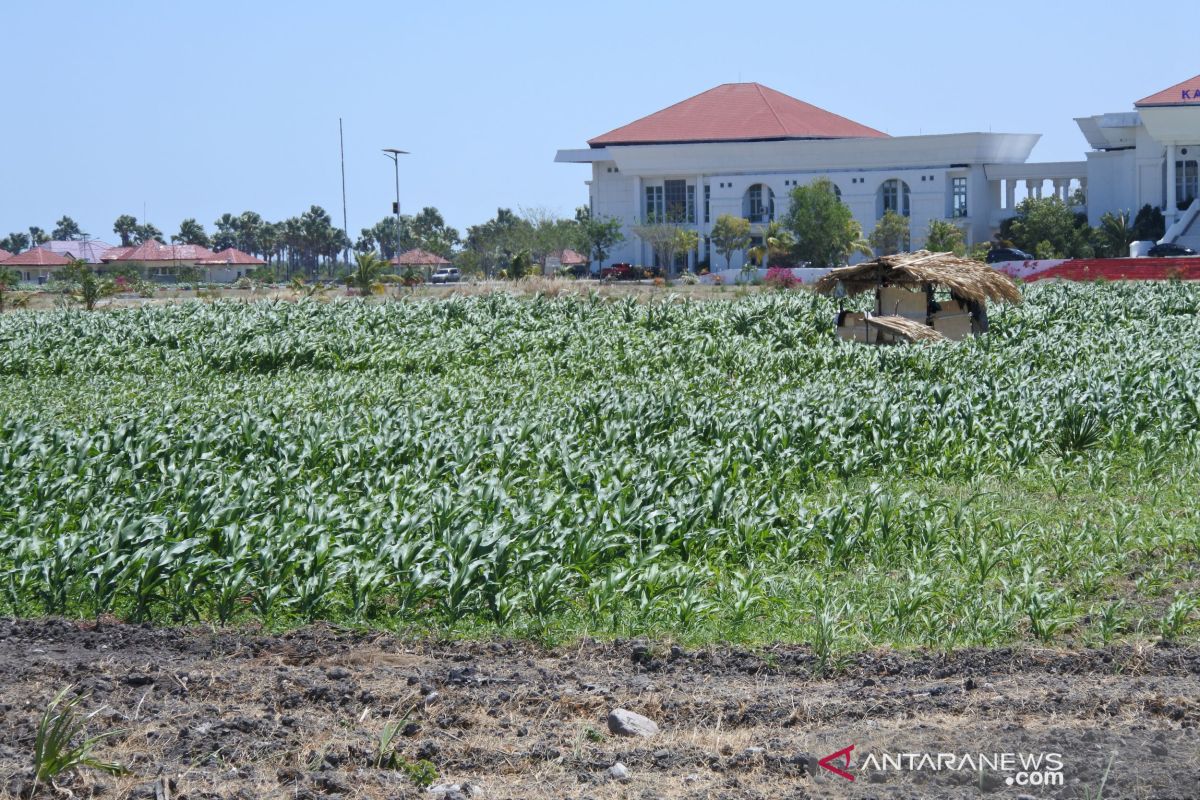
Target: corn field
<point>576,465</point>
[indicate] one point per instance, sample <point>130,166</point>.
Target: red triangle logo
<point>827,762</point>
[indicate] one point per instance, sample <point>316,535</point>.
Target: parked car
<point>446,275</point>
<point>998,254</point>
<point>620,272</point>
<point>1169,251</point>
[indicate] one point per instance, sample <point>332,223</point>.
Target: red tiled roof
<point>1181,94</point>
<point>5,254</point>
<point>569,257</point>
<point>418,258</point>
<point>736,112</point>
<point>231,255</point>
<point>114,253</point>
<point>37,257</point>
<point>154,250</point>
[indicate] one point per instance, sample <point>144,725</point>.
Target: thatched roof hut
<point>905,328</point>
<point>964,277</point>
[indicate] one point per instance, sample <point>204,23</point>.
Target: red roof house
<point>5,254</point>
<point>736,112</point>
<point>1181,94</point>
<point>234,257</point>
<point>154,250</point>
<point>37,257</point>
<point>419,258</point>
<point>37,264</point>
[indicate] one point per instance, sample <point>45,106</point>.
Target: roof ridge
<point>771,108</point>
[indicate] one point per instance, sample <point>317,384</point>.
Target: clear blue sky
<point>195,109</point>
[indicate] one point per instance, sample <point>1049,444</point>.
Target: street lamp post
<point>394,155</point>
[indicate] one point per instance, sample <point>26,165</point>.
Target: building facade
<point>741,148</point>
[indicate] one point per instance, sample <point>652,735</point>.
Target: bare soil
<point>221,714</point>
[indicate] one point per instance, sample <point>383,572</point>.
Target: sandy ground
<point>207,714</point>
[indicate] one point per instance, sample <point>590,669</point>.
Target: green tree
<point>825,230</point>
<point>1113,235</point>
<point>37,236</point>
<point>366,274</point>
<point>225,232</point>
<point>191,232</point>
<point>499,239</point>
<point>1048,225</point>
<point>891,234</point>
<point>777,246</point>
<point>520,265</point>
<point>86,287</point>
<point>8,281</point>
<point>16,242</point>
<point>1149,225</point>
<point>125,227</point>
<point>730,235</point>
<point>599,235</point>
<point>145,233</point>
<point>433,234</point>
<point>945,237</point>
<point>249,232</point>
<point>667,240</point>
<point>66,229</point>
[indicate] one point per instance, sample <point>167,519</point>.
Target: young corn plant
<point>61,743</point>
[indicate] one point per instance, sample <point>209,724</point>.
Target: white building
<point>741,148</point>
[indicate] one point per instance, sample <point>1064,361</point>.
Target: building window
<point>760,203</point>
<point>893,196</point>
<point>676,194</point>
<point>691,204</point>
<point>1187,181</point>
<point>707,202</point>
<point>958,197</point>
<point>837,190</point>
<point>654,204</point>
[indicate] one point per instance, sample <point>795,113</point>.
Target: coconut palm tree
<point>778,242</point>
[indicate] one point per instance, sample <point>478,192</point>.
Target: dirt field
<point>208,715</point>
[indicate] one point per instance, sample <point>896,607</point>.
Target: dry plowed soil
<point>217,714</point>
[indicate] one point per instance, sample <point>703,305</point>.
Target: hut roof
<point>235,257</point>
<point>962,276</point>
<point>419,258</point>
<point>909,329</point>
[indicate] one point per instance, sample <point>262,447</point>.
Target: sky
<point>182,109</point>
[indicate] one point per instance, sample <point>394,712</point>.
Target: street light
<point>394,155</point>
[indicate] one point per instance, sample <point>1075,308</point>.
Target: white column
<point>1169,212</point>
<point>636,218</point>
<point>1010,193</point>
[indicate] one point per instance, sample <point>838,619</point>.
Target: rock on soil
<point>628,723</point>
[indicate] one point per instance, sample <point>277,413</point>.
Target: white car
<point>446,275</point>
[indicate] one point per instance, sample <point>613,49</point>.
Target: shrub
<point>781,278</point>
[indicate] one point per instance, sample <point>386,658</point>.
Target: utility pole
<point>394,155</point>
<point>345,224</point>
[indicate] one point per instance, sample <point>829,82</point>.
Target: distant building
<point>157,261</point>
<point>563,258</point>
<point>741,148</point>
<point>89,250</point>
<point>230,264</point>
<point>419,259</point>
<point>37,265</point>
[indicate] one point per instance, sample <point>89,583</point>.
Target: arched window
<point>893,195</point>
<point>759,203</point>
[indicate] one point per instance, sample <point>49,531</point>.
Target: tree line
<point>510,243</point>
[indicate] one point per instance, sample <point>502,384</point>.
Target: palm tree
<point>191,232</point>
<point>37,236</point>
<point>778,242</point>
<point>67,229</point>
<point>125,226</point>
<point>370,267</point>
